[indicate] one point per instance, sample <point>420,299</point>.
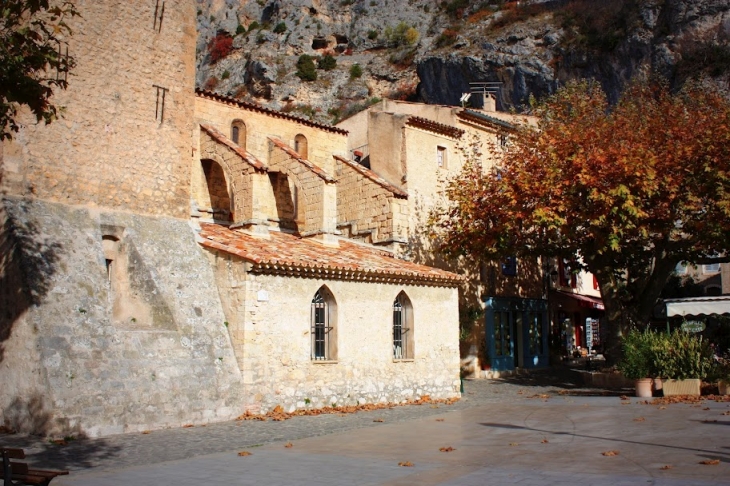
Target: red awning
<point>584,300</point>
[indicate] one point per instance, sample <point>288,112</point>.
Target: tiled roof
<point>222,139</point>
<point>397,191</point>
<point>294,155</point>
<point>483,119</point>
<point>287,254</point>
<point>435,127</point>
<point>262,109</point>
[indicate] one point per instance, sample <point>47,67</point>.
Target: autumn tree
<point>625,192</point>
<point>34,58</point>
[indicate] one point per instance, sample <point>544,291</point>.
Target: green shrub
<point>678,356</point>
<point>401,35</point>
<point>306,69</point>
<point>681,355</point>
<point>636,361</point>
<point>280,28</point>
<point>355,71</point>
<point>240,29</point>
<point>447,38</point>
<point>253,25</point>
<point>327,62</point>
<point>226,74</point>
<point>372,34</point>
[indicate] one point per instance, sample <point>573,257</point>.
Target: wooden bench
<point>14,472</point>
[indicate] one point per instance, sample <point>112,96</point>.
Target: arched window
<point>402,327</point>
<point>301,146</point>
<point>324,326</point>
<point>238,133</point>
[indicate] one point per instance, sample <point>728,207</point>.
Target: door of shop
<point>516,333</point>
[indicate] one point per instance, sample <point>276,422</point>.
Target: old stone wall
<point>368,208</point>
<point>271,331</point>
<point>124,139</point>
<point>117,324</point>
<point>316,197</point>
<point>322,144</point>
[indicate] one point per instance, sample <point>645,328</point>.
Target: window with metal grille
<point>402,328</point>
<point>324,338</point>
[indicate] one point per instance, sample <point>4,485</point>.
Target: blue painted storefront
<point>517,333</point>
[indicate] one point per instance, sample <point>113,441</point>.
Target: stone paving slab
<point>503,432</point>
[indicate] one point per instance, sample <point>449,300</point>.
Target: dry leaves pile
<point>710,462</point>
<point>278,414</point>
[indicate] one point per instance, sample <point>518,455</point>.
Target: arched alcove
<point>238,133</point>
<point>215,195</point>
<point>301,146</point>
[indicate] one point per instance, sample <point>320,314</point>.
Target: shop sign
<point>693,326</point>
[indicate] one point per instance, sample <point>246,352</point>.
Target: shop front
<point>516,333</point>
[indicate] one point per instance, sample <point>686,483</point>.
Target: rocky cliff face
<point>429,51</point>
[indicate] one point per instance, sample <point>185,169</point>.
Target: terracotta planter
<point>723,387</point>
<point>681,387</point>
<point>644,387</point>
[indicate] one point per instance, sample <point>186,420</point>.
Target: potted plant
<point>637,362</point>
<point>682,360</point>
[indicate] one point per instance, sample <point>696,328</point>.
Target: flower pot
<point>643,387</point>
<point>689,386</point>
<point>723,387</point>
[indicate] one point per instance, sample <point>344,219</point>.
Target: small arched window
<point>324,326</point>
<point>238,133</point>
<point>301,146</point>
<point>402,327</point>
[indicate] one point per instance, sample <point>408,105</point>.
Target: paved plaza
<point>531,430</point>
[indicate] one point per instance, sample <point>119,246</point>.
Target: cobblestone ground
<point>181,443</point>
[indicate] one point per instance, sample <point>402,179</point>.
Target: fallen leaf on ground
<point>709,421</point>
<point>706,408</point>
<point>405,464</point>
<point>439,420</point>
<point>624,397</point>
<point>639,419</point>
<point>512,444</point>
<point>188,426</point>
<point>378,420</point>
<point>625,403</point>
<point>145,431</point>
<point>244,453</point>
<point>668,466</point>
<point>544,441</point>
<point>710,462</point>
<point>662,408</point>
<point>288,445</point>
<point>726,413</point>
<point>610,453</point>
<point>447,449</point>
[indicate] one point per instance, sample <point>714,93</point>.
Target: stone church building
<point>172,257</point>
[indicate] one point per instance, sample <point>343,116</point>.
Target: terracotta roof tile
<point>294,155</point>
<point>222,139</point>
<point>291,255</point>
<point>262,109</point>
<point>397,191</point>
<point>435,127</point>
<point>483,119</point>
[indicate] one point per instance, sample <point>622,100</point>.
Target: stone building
<point>172,257</point>
<point>503,306</point>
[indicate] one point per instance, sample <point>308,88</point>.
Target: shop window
<point>402,327</point>
<point>324,326</point>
